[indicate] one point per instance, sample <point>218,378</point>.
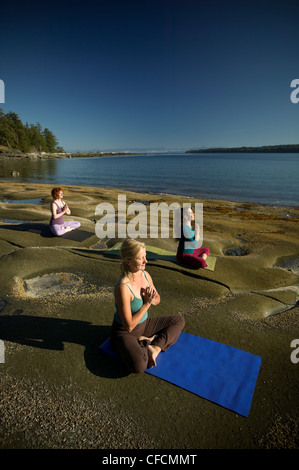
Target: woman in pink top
<point>58,208</point>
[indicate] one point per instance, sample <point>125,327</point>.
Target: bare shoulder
<point>121,292</point>
<point>120,285</point>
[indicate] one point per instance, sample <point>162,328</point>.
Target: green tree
<point>29,137</point>
<point>50,140</point>
<point>8,133</point>
<point>36,139</point>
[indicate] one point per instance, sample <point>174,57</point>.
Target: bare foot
<point>145,338</point>
<point>68,229</point>
<point>204,256</point>
<point>153,352</point>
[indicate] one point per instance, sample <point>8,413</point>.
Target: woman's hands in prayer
<point>148,294</point>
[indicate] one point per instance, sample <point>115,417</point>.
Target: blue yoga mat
<point>222,374</point>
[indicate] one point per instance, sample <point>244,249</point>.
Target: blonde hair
<point>129,250</point>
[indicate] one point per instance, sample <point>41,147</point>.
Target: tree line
<point>289,148</point>
<point>26,137</point>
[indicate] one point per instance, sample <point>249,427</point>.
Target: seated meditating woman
<point>58,208</point>
<point>187,252</point>
<point>136,338</point>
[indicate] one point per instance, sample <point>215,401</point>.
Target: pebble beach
<point>57,305</point>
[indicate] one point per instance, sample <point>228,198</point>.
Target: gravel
<point>36,416</point>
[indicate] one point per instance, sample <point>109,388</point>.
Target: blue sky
<point>147,74</point>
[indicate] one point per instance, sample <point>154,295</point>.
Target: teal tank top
<point>136,305</point>
<point>187,235</point>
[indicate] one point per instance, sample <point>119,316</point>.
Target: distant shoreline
<point>16,154</point>
<point>53,156</point>
<point>264,149</point>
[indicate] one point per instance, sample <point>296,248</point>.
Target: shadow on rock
<point>52,333</point>
<point>40,228</point>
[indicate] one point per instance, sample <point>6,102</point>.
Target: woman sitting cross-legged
<point>58,208</point>
<point>136,338</point>
<point>188,252</point>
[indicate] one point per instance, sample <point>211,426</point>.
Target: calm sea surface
<point>264,178</point>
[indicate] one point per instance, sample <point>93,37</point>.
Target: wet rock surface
<point>57,305</point>
<point>237,251</point>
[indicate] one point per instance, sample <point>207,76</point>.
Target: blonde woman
<point>137,338</point>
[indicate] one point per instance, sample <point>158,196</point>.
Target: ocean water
<point>251,177</point>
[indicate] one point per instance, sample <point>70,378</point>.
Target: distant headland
<point>264,149</point>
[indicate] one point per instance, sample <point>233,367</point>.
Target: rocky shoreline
<point>51,156</point>
<point>56,308</point>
